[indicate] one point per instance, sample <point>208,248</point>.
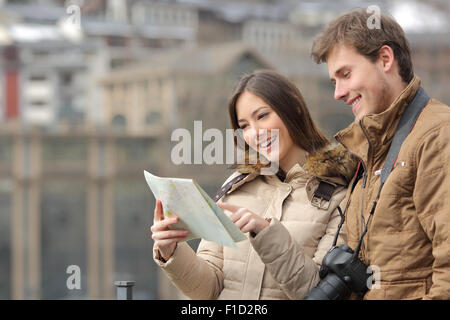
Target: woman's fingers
<point>235,212</point>
<point>170,234</point>
<point>251,226</point>
<point>164,224</point>
<point>242,220</point>
<point>159,214</point>
<point>227,206</point>
<point>238,214</point>
<point>250,222</point>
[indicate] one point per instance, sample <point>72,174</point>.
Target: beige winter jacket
<point>282,261</point>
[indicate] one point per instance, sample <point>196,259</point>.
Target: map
<point>197,212</point>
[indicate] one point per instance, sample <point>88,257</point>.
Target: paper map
<point>198,213</point>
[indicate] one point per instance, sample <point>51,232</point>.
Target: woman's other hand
<point>165,239</point>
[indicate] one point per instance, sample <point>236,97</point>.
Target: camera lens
<point>330,288</point>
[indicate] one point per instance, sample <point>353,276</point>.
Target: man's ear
<point>386,58</point>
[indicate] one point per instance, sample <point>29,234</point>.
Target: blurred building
<point>91,92</point>
<point>175,88</point>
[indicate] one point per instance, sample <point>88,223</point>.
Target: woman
<point>289,226</point>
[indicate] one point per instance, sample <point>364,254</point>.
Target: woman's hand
<point>165,239</point>
<point>244,219</point>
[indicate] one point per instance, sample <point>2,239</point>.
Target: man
<point>408,233</point>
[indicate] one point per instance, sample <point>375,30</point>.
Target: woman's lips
<point>266,144</point>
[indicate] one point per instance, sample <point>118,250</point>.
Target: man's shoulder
<point>430,133</point>
<point>436,111</point>
<point>433,117</point>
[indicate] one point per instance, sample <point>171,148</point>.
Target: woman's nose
<point>251,136</point>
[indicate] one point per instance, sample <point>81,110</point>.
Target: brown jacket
<point>281,262</point>
<point>408,234</point>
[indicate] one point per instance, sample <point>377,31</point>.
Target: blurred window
<point>65,149</point>
<point>152,118</point>
<point>115,41</point>
<point>119,121</point>
<point>63,234</point>
<point>133,203</point>
<point>134,150</point>
<point>38,77</point>
<point>5,237</point>
<point>39,104</point>
<point>5,150</point>
<point>66,78</point>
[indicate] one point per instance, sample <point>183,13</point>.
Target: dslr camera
<point>342,273</point>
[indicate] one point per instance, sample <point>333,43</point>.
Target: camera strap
<point>405,126</point>
<point>355,179</point>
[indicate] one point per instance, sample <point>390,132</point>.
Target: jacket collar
<point>377,129</point>
<point>296,176</point>
<point>332,164</point>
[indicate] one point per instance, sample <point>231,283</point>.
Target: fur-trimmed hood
<point>333,163</point>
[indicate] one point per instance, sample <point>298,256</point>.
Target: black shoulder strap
<point>227,187</point>
<point>405,126</point>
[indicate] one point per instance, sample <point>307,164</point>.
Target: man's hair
<point>352,29</point>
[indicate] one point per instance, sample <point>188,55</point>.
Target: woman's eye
<point>347,74</point>
<point>262,115</point>
<point>243,127</point>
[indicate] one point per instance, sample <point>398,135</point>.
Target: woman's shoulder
<point>332,169</point>
<point>333,164</point>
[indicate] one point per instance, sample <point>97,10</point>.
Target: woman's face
<point>263,129</point>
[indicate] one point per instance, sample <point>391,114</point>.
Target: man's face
<point>359,82</point>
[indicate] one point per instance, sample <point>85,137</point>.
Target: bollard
<point>124,290</point>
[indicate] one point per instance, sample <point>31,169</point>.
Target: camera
<point>342,273</point>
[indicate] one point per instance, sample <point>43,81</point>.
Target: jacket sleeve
<point>294,271</point>
<point>198,276</point>
<point>285,260</point>
<point>431,198</point>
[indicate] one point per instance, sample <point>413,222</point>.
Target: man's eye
<point>347,74</point>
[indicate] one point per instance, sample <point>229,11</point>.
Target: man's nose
<point>340,92</point>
